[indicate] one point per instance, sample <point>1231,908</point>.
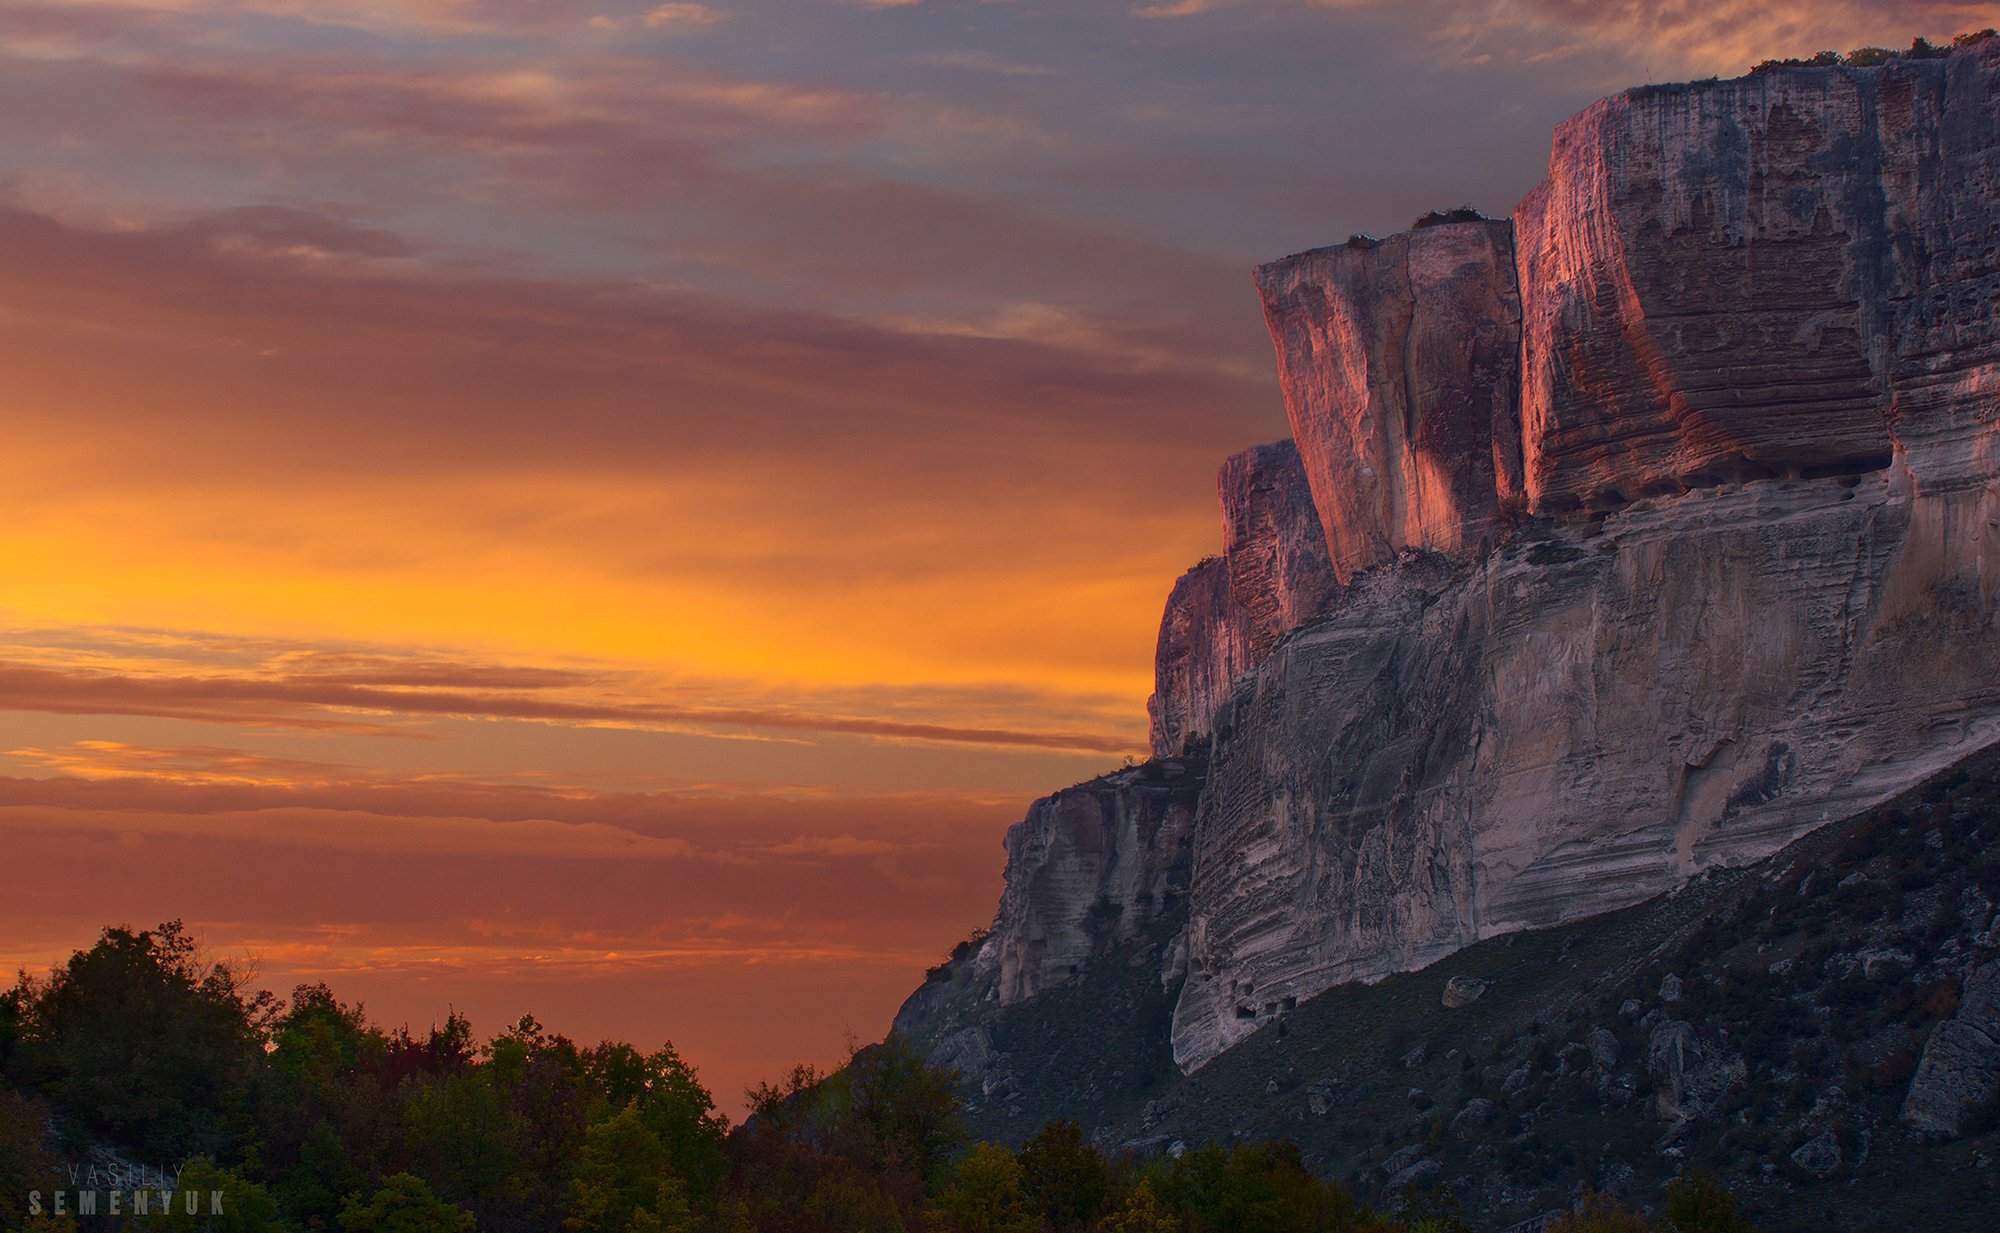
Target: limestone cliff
<point>1757,338</point>
<point>1399,361</point>
<point>1656,527</point>
<point>1097,882</point>
<point>1223,616</point>
<point>1273,543</point>
<point>1204,646</point>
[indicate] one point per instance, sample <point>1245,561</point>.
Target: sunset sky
<point>610,509</point>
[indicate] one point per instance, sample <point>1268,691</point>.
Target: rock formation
<point>1204,646</point>
<point>1757,339</point>
<point>1399,361</point>
<point>1272,543</point>
<point>1657,527</point>
<point>1960,1069</point>
<point>1090,867</point>
<point>1224,615</point>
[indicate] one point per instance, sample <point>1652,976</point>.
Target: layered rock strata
<point>1088,868</point>
<point>1757,339</point>
<point>1399,359</point>
<point>1097,875</point>
<point>1594,714</point>
<point>1657,527</point>
<point>1224,615</point>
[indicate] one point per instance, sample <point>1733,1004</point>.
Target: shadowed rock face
<point>1399,363</point>
<point>1090,867</point>
<point>1589,717</point>
<point>1204,646</point>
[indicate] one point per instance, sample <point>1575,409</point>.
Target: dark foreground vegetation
<point>142,1058</point>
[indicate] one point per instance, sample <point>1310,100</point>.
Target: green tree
<point>625,1180</point>
<point>1434,1210</point>
<point>1143,1212</point>
<point>1698,1203</point>
<point>984,1195</point>
<point>244,1206</point>
<point>897,1112</point>
<point>672,1102</point>
<point>1066,1180</point>
<point>404,1204</point>
<point>460,1133</point>
<point>1262,1186</point>
<point>145,1043</point>
<point>314,1099</point>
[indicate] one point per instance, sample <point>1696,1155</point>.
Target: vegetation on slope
<point>304,1115</point>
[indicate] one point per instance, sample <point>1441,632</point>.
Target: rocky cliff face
<point>1791,273</point>
<point>1273,544</point>
<point>1096,898</point>
<point>1204,646</point>
<point>1660,526</point>
<point>1399,361</point>
<point>1088,868</point>
<point>1593,715</point>
<point>1757,339</point>
<point>1225,614</point>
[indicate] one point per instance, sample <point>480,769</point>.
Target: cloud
<point>1729,36</point>
<point>682,15</point>
<point>315,700</point>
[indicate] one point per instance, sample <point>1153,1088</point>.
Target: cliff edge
<point>1635,535</point>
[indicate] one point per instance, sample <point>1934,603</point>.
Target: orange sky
<point>609,510</point>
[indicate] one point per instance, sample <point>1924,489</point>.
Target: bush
<point>1600,1213</point>
<point>1456,214</point>
<point>1698,1203</point>
<point>404,1204</point>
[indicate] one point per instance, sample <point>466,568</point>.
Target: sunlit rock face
<point>1784,274</point>
<point>1399,360</point>
<point>1225,614</point>
<point>1757,394</point>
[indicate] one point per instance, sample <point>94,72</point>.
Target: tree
<point>625,1180</point>
<point>245,1206</point>
<point>1143,1213</point>
<point>1065,1179</point>
<point>1262,1186</point>
<point>404,1204</point>
<point>672,1102</point>
<point>461,1134</point>
<point>984,1195</point>
<point>143,1042</point>
<point>1698,1203</point>
<point>897,1112</point>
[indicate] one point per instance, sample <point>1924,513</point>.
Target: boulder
<point>1959,1071</point>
